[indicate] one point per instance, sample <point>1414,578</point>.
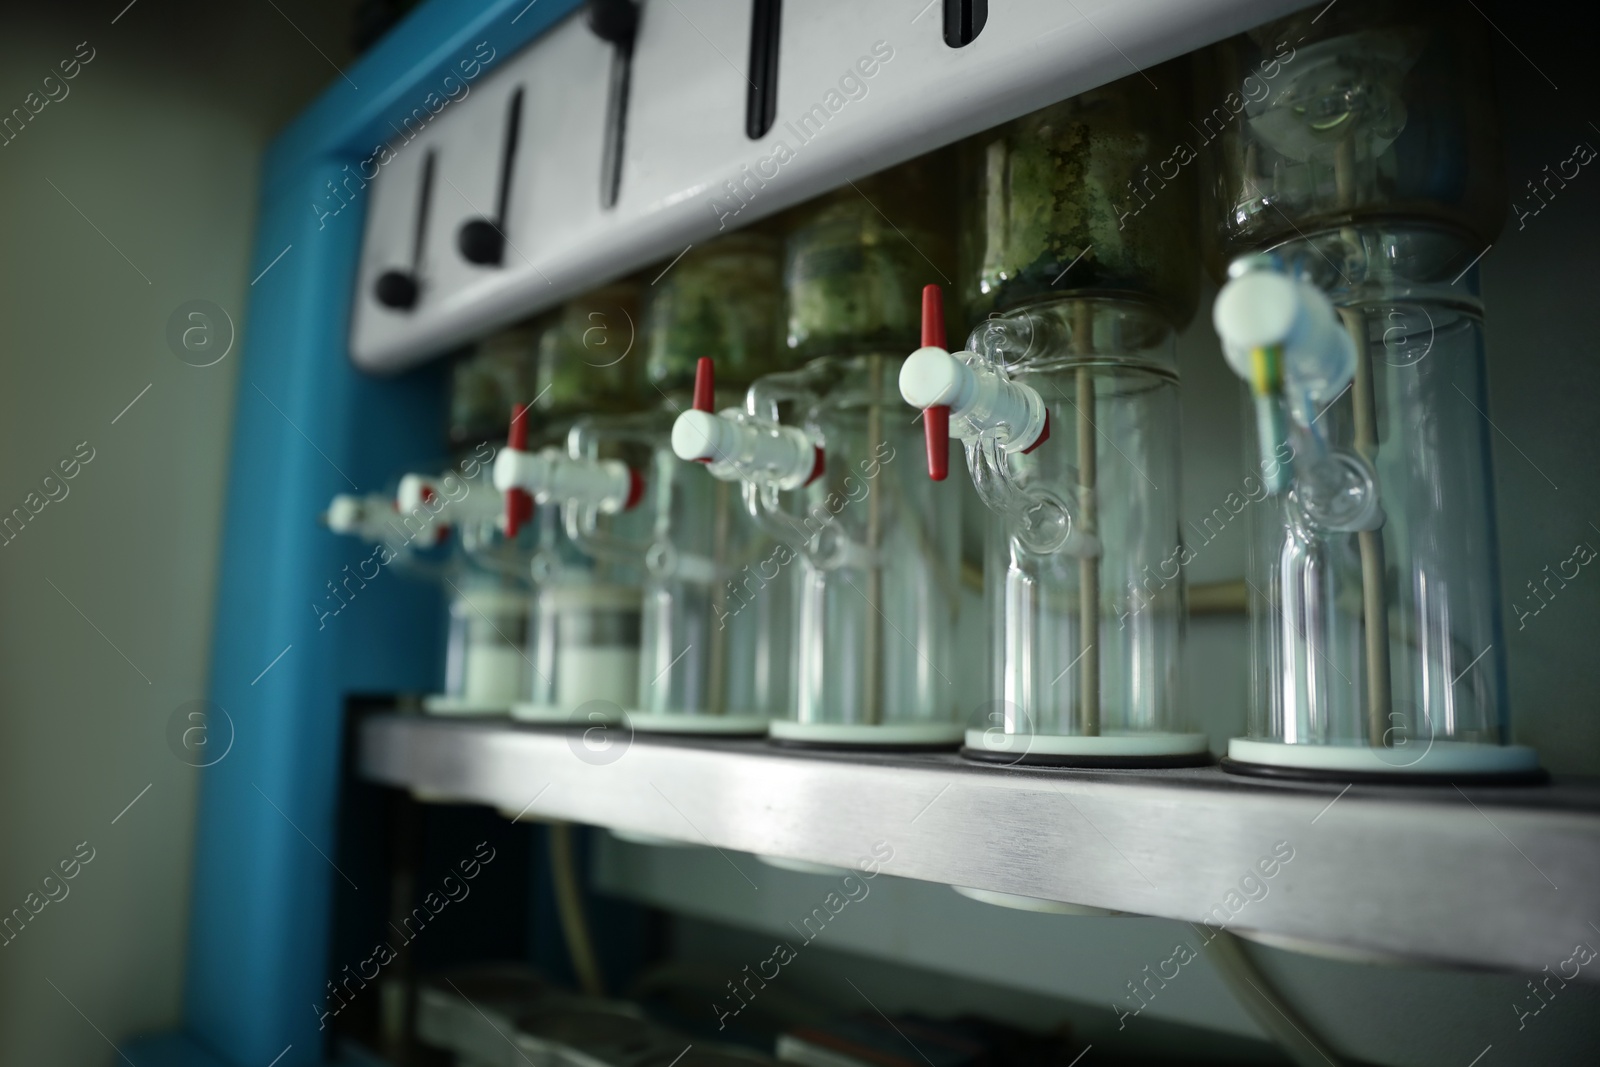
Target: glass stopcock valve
<point>960,394</point>
<point>736,445</point>
<point>550,475</point>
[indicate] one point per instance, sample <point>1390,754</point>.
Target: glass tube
<point>723,299</point>
<point>878,551</point>
<point>1084,572</point>
<point>582,650</point>
<point>483,661</point>
<point>1079,247</point>
<point>875,551</point>
<point>497,372</point>
<point>1369,163</point>
<point>587,357</point>
<point>707,665</point>
<point>714,660</point>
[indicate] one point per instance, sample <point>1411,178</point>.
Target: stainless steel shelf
<point>1502,878</point>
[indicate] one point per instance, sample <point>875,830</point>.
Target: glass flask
<point>879,560</point>
<point>874,552</point>
<point>848,266</point>
<point>488,378</point>
<point>1377,647</point>
<point>1070,423</point>
<point>586,357</point>
<point>710,663</point>
<point>1079,267</point>
<point>723,300</point>
<point>484,671</point>
<point>582,649</point>
<point>485,580</point>
<point>1092,195</point>
<point>1377,111</point>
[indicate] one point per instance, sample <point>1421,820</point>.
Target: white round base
<point>440,704</point>
<point>891,733</point>
<point>556,715</point>
<point>1037,904</point>
<point>636,837</point>
<point>1131,745</point>
<point>1416,757</point>
<point>725,725</point>
<point>784,863</point>
<point>1324,950</point>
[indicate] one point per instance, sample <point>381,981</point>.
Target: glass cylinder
<point>855,260</point>
<point>1367,159</point>
<point>1373,110</point>
<point>584,651</point>
<point>587,358</point>
<point>723,300</point>
<point>497,372</point>
<point>878,551</point>
<point>484,673</point>
<point>1079,249</point>
<point>1085,567</point>
<point>715,661</point>
<point>1377,643</point>
<point>1093,195</point>
<point>709,662</point>
<point>583,647</point>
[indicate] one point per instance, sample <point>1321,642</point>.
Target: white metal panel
<point>466,187</point>
<point>688,51</point>
<point>685,128</point>
<point>557,198</point>
<point>390,233</point>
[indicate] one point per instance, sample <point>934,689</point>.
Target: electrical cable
<point>1256,995</point>
<point>569,907</point>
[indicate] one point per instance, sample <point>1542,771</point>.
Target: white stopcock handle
<point>366,517</point>
<point>1261,311</point>
<point>458,499</point>
<point>552,476</point>
<point>735,445</point>
<point>961,396</point>
<point>982,401</point>
<point>1284,338</point>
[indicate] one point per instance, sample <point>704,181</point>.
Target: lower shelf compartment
<point>1504,878</point>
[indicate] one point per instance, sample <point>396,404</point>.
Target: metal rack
<point>1497,878</point>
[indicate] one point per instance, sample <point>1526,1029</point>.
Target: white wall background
<point>158,143</point>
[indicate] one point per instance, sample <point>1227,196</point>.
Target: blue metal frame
<point>307,426</point>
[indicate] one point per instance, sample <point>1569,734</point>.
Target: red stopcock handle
<point>705,390</point>
<point>519,502</point>
<point>705,386</point>
<point>936,419</point>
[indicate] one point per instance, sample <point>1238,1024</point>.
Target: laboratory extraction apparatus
<point>638,334</point>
